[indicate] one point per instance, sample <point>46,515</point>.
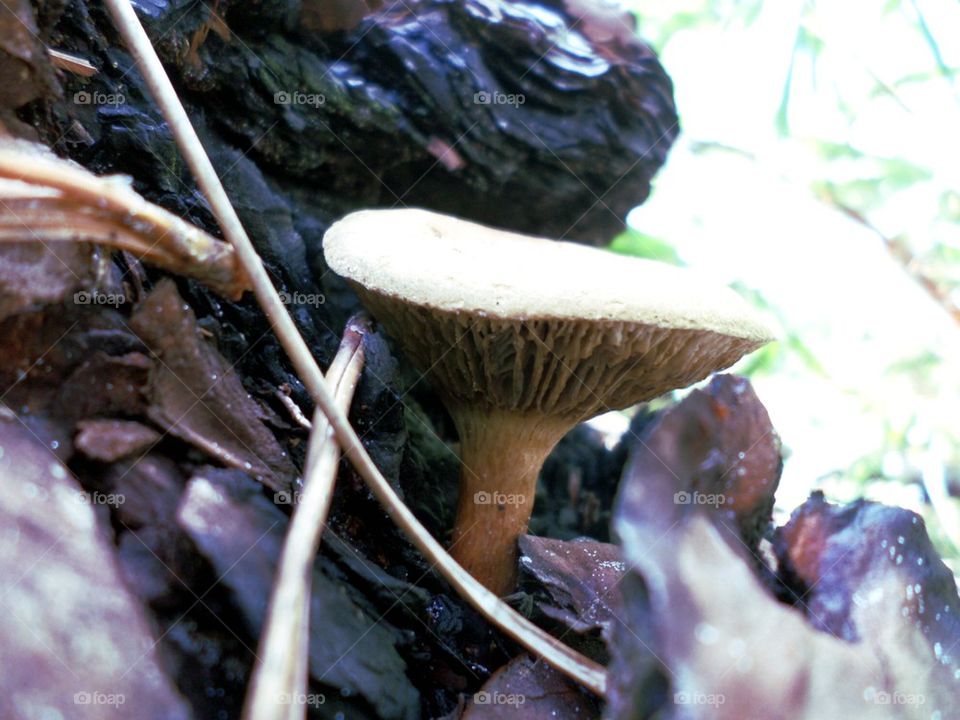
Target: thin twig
<point>71,63</point>
<point>902,255</point>
<point>537,641</point>
<point>46,199</point>
<point>281,669</point>
<point>283,395</point>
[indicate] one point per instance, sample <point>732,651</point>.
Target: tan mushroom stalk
<point>524,338</point>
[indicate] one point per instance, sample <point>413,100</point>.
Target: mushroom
<point>524,338</point>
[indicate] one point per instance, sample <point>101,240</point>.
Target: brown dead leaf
<point>25,72</point>
<point>530,689</point>
<point>843,561</point>
<point>105,385</point>
<point>196,396</point>
<point>708,639</point>
<point>73,643</point>
<point>715,452</point>
<point>333,15</point>
<point>580,576</point>
<point>70,364</point>
<point>42,273</point>
<point>110,440</point>
<point>150,488</point>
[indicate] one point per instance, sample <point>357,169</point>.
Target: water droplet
<point>737,648</point>
<point>706,633</point>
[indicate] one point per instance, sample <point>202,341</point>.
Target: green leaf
<point>798,348</point>
<point>637,244</point>
<point>931,41</point>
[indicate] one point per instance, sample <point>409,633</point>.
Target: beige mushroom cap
<point>540,326</point>
<point>450,264</point>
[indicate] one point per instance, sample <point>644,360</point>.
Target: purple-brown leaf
<point>195,395</point>
<point>526,688</point>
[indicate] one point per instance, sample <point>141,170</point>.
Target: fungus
<point>525,337</point>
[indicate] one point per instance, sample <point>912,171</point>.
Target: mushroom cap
<point>527,324</point>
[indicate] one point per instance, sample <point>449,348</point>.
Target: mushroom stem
<point>501,455</point>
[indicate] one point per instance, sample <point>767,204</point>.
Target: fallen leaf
<point>196,396</point>
<point>42,273</point>
<point>715,452</point>
<point>706,637</point>
<point>580,577</point>
<point>25,72</point>
<point>148,488</point>
<point>841,562</point>
<point>530,689</point>
<point>110,440</point>
<point>70,364</point>
<point>105,385</point>
<point>333,15</point>
<point>73,644</point>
